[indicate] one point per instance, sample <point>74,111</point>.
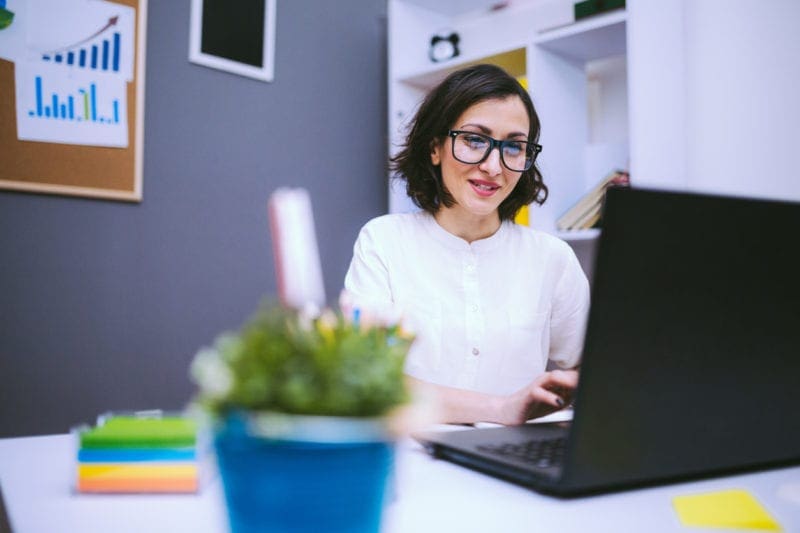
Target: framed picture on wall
<point>237,37</point>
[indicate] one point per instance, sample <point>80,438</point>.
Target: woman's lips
<point>484,188</point>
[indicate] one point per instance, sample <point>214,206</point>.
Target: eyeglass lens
<point>473,148</point>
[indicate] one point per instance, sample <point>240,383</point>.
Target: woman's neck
<point>467,226</point>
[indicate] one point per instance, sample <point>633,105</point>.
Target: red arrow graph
<point>111,22</point>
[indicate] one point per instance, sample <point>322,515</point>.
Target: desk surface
<point>429,495</point>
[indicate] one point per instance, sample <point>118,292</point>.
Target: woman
<point>490,301</point>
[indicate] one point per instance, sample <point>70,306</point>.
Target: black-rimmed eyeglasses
<point>473,148</point>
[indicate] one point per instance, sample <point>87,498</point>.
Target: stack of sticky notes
<point>139,454</point>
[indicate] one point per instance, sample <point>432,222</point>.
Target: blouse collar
<point>454,242</point>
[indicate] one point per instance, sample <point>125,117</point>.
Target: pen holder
<point>300,473</point>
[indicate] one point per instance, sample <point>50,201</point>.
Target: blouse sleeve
<point>366,284</point>
<point>569,314</point>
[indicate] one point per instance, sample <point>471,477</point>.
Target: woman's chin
<point>482,207</point>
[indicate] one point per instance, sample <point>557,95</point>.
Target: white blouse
<point>487,315</point>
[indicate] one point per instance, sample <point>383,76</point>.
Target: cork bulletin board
<point>67,167</point>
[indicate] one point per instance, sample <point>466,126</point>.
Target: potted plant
<point>301,408</point>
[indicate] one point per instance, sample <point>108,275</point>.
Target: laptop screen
<point>693,347</point>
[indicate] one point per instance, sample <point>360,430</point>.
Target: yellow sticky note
<point>736,509</point>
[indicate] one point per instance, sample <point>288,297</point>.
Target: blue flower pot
<point>286,473</point>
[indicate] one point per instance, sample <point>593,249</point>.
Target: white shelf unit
<point>690,95</point>
<point>576,74</point>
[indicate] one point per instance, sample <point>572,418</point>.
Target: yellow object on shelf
<point>522,216</point>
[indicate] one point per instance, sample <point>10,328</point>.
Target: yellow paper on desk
<point>730,508</point>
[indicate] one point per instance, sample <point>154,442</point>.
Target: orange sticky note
<point>736,509</point>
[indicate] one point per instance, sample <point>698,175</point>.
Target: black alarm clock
<point>443,47</point>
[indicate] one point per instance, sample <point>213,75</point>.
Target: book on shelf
<point>587,211</point>
<point>588,8</point>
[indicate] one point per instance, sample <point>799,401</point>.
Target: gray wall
<point>103,304</point>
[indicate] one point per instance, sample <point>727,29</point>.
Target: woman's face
<point>479,189</point>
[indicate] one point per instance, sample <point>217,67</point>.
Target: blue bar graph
<point>102,55</point>
<point>93,98</point>
<point>79,107</point>
<point>115,63</point>
<point>105,55</point>
<point>39,109</point>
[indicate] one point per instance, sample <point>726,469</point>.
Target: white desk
<point>430,495</point>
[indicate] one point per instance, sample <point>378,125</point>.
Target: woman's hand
<point>548,393</point>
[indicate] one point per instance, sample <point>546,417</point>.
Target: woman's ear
<point>436,158</point>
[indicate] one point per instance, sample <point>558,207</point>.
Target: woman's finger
<point>549,397</point>
<point>565,380</point>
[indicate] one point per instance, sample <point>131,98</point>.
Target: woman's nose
<point>492,164</point>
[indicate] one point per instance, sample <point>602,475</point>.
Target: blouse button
<point>475,351</point>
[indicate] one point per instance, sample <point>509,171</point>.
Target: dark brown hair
<point>437,114</point>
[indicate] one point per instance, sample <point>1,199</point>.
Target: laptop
<point>692,354</point>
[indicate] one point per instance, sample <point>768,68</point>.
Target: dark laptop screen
<point>693,346</point>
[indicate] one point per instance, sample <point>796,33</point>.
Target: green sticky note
<point>133,432</point>
<point>736,509</point>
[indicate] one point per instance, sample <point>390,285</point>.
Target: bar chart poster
<point>72,98</point>
<point>82,108</point>
<point>84,35</point>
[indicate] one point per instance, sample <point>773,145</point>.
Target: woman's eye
<point>475,141</point>
<point>513,148</point>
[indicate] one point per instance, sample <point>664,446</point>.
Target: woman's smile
<point>484,188</point>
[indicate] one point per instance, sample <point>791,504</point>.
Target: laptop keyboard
<point>541,453</point>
